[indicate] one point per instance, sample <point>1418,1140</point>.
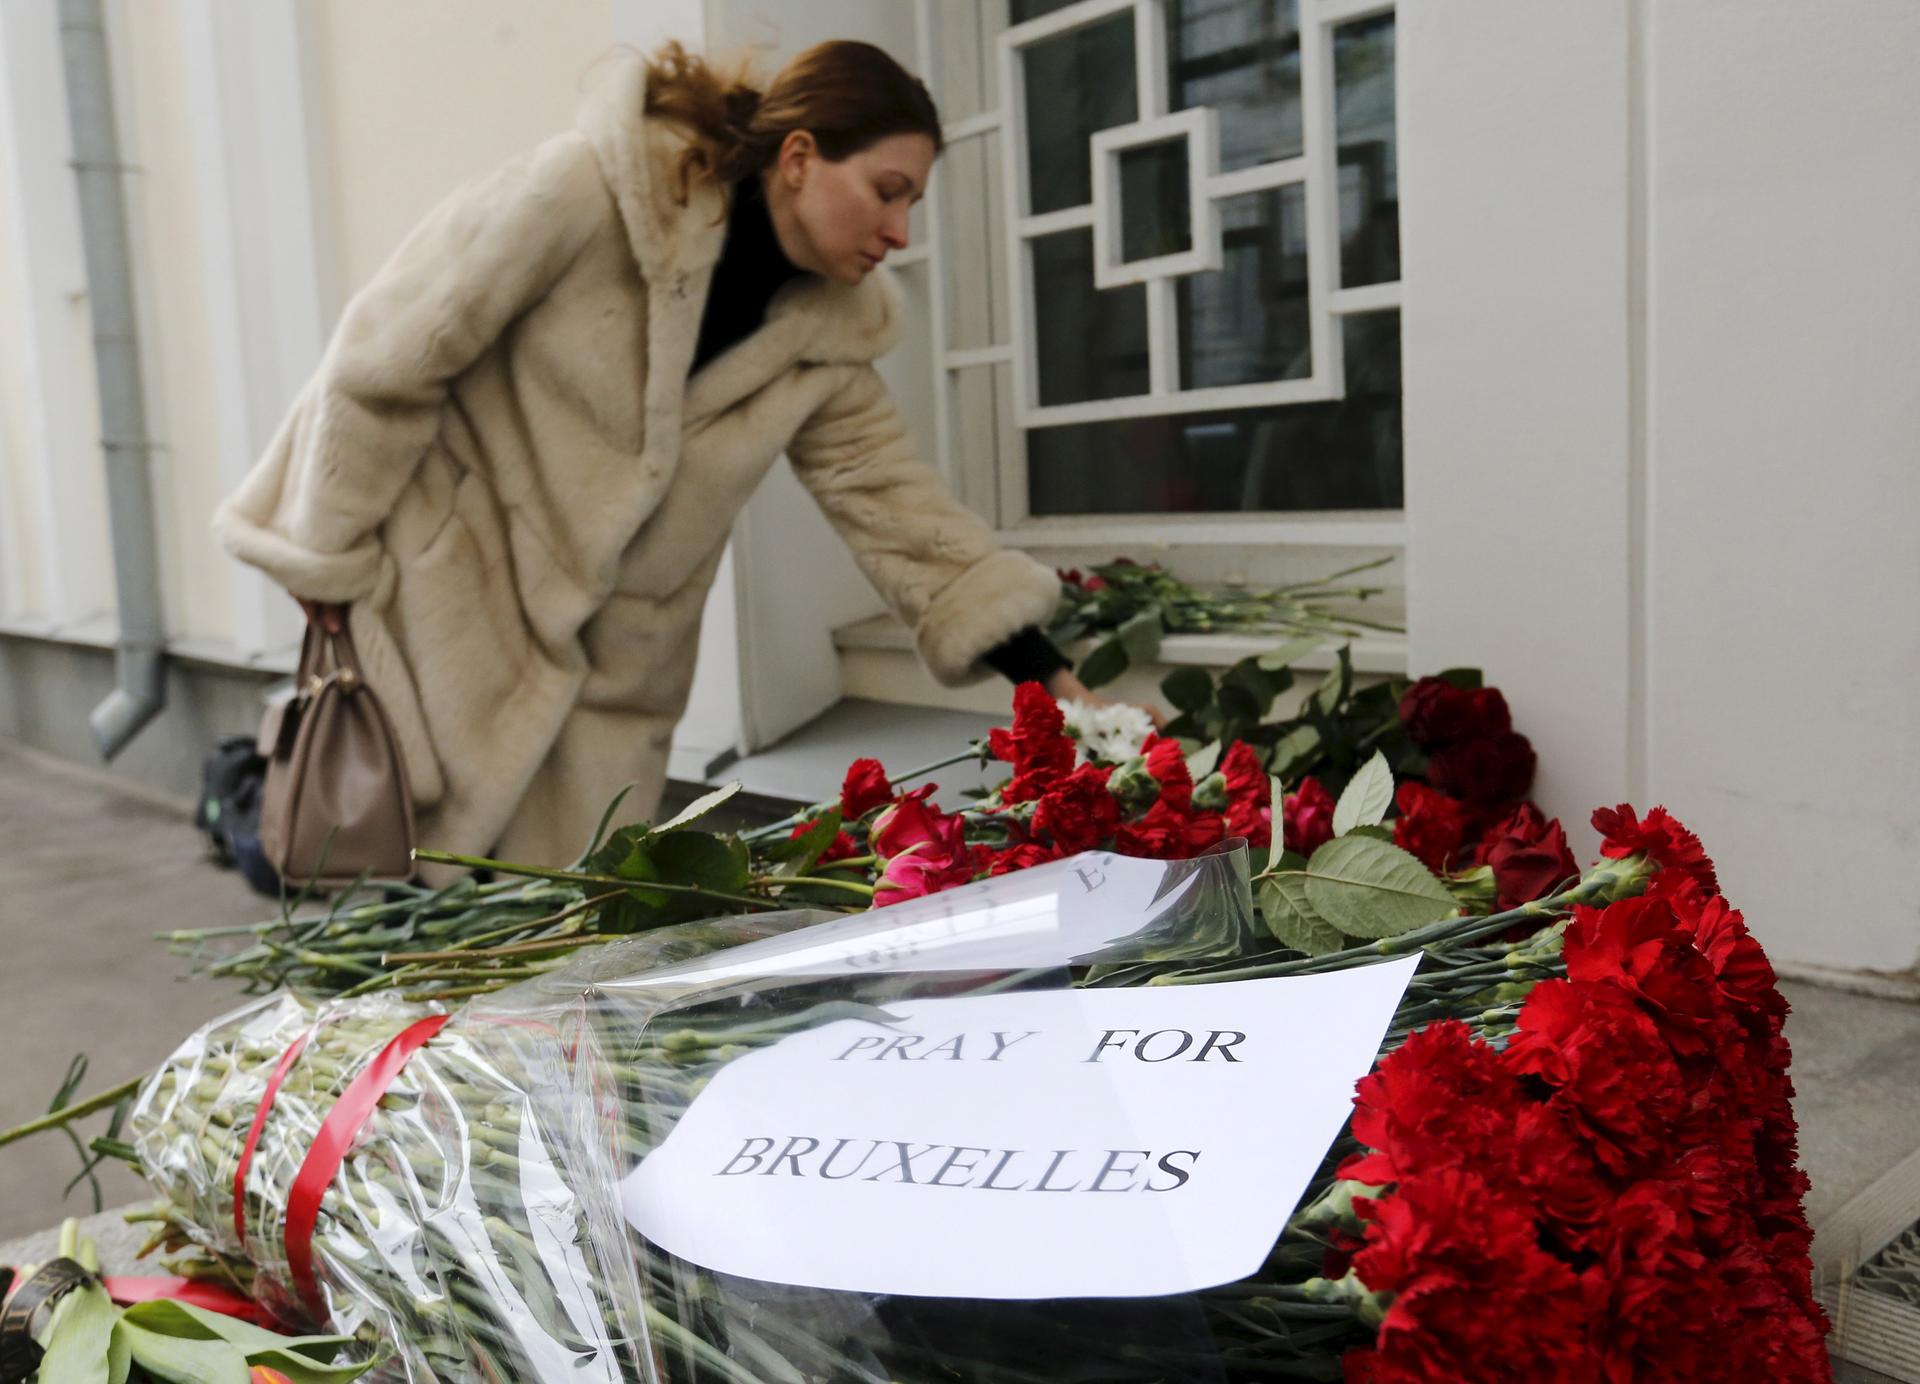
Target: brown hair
<point>847,95</point>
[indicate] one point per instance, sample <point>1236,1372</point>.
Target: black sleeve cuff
<point>1028,656</point>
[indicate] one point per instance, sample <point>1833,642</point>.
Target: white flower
<point>1112,734</point>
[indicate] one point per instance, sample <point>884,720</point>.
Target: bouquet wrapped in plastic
<point>1079,1121</point>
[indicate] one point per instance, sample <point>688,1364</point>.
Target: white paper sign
<point>1069,1143</point>
<point>1048,915</point>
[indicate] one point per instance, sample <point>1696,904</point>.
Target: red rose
<point>1078,813</point>
<point>1094,584</point>
<point>1249,796</point>
<point>925,849</point>
<point>1529,856</point>
<point>1487,769</point>
<point>864,788</point>
<point>1308,813</point>
<point>1670,844</point>
<point>1037,744</point>
<point>1437,713</point>
<point>1430,825</point>
<point>1167,762</point>
<point>1069,576</point>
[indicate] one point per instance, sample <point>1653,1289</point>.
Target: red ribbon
<point>280,1071</point>
<point>214,1297</point>
<point>330,1146</point>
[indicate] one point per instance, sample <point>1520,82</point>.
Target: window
<point>1164,259</point>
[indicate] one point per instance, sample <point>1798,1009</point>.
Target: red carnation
<point>1486,770</point>
<point>1430,825</point>
<point>1164,832</point>
<point>1609,1072</point>
<point>1308,812</point>
<point>841,847</point>
<point>1021,857</point>
<point>1660,836</point>
<point>1078,813</point>
<point>864,788</point>
<point>1475,1297</point>
<point>1249,796</point>
<point>1167,762</point>
<point>1529,855</point>
<point>1440,1100</point>
<point>1037,744</point>
<point>1637,945</point>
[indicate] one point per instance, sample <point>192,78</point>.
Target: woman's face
<point>845,217</point>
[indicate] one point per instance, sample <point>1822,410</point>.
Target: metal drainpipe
<point>140,654</point>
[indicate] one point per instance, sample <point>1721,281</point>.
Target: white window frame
<point>1316,168</point>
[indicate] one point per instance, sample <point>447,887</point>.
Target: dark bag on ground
<point>228,812</point>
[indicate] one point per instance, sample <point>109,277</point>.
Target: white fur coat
<point>502,465</point>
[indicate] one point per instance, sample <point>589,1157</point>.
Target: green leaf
<point>181,1359</point>
<point>701,859</point>
<point>1107,662</point>
<point>1466,679</point>
<point>1140,635</point>
<point>1366,798</point>
<point>1289,916</point>
<point>1295,750</point>
<point>119,1356</point>
<point>1202,761</point>
<point>1290,652</point>
<point>1372,889</point>
<point>303,1359</point>
<point>1379,831</point>
<point>79,1339</point>
<point>1188,688</point>
<point>1334,687</point>
<point>699,807</point>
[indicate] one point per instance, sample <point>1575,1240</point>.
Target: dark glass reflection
<point>1369,171</point>
<point>1155,209</point>
<point>1241,57</point>
<point>1077,84</point>
<point>1248,321</point>
<point>1341,455</point>
<point>1090,343</point>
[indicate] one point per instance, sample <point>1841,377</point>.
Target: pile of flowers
<point>1611,1194</point>
<point>1574,1161</point>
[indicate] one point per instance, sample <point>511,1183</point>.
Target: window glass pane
<point>961,56</point>
<point>1241,57</point>
<point>1077,83</point>
<point>1091,343</point>
<point>1342,455</point>
<point>1369,175</point>
<point>1022,10</point>
<point>1155,216</point>
<point>1248,322</point>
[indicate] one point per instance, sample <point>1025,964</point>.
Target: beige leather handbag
<point>336,805</point>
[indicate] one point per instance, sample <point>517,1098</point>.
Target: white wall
<point>1662,422</point>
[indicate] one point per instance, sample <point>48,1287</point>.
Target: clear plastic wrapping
<point>481,1225</point>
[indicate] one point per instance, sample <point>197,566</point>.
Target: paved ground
<point>90,869</point>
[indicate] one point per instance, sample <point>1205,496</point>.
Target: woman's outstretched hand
<point>1065,687</point>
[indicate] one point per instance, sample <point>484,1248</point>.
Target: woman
<point>519,461</point>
